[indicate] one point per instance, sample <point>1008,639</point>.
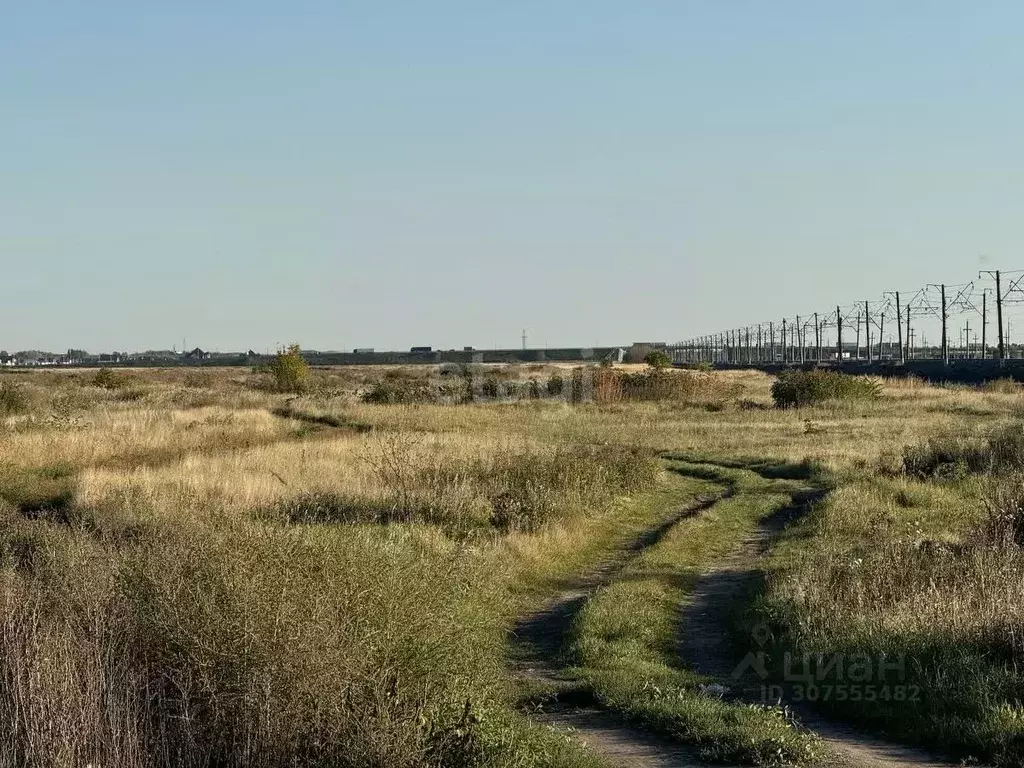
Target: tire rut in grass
<point>539,638</point>
<point>706,643</point>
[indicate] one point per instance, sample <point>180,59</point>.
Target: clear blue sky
<point>387,174</point>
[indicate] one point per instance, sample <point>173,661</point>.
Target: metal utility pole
<point>899,328</point>
<point>998,315</point>
<point>524,339</point>
<point>785,350</point>
<point>910,340</point>
<point>945,344</point>
<point>817,337</point>
<point>771,341</point>
<point>867,329</point>
<point>858,336</point>
<point>999,310</point>
<point>839,335</point>
<point>881,332</point>
<point>800,339</point>
<point>984,323</point>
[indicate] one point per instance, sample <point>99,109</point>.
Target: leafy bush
<point>801,388</point>
<point>657,359</point>
<point>289,369</point>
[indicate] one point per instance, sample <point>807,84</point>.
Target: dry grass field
<point>197,570</point>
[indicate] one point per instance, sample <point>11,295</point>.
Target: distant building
<point>422,349</point>
<point>197,354</point>
<point>640,349</point>
<point>363,351</point>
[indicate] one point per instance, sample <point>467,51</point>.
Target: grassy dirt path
<point>706,643</point>
<point>710,548</point>
<point>538,639</point>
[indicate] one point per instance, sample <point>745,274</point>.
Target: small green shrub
<point>555,385</point>
<point>657,359</point>
<point>796,389</point>
<point>289,369</point>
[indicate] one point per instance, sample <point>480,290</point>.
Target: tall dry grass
<point>158,615</point>
<point>238,645</point>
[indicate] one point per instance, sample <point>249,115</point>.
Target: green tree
<point>289,369</point>
<point>657,359</point>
